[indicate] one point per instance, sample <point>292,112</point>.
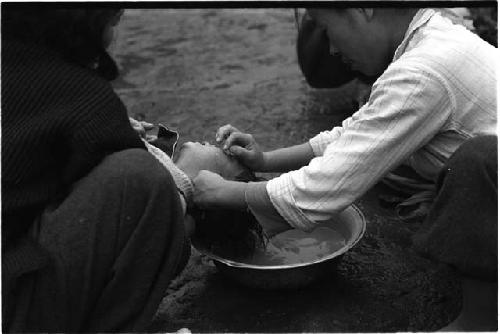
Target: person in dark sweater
<point>92,224</point>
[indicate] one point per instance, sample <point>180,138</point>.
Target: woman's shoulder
<point>39,84</point>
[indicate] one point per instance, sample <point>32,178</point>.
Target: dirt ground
<point>197,69</point>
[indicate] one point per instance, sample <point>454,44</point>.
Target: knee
<point>476,154</point>
<point>138,168</point>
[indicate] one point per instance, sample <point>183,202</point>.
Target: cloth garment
<point>113,244</point>
<point>182,181</point>
<point>412,195</point>
<point>108,243</point>
<point>458,15</point>
<point>59,120</point>
<point>462,226</point>
<point>439,91</point>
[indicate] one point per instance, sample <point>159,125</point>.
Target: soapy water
<point>295,246</point>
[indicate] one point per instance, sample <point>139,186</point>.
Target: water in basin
<point>295,246</point>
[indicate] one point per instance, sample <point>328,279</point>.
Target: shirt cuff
<point>260,205</point>
<point>281,196</point>
<point>319,143</point>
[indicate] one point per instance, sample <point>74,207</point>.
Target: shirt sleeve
<point>409,104</point>
<point>320,142</point>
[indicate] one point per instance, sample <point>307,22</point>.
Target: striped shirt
<point>438,91</point>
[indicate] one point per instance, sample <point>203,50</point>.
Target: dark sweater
<point>59,120</point>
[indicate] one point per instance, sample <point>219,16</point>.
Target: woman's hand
<point>213,191</point>
<point>207,186</point>
<point>140,127</point>
<point>241,145</point>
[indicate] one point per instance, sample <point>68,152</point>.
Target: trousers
<point>461,228</point>
<point>114,244</point>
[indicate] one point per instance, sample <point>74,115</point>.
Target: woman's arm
<point>288,158</point>
<point>408,107</point>
<point>244,147</point>
<point>214,192</point>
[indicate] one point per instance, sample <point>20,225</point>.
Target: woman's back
<point>59,120</point>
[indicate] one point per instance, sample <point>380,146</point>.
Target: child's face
<point>193,157</point>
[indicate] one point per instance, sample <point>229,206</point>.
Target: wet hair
<point>75,33</point>
<point>230,234</point>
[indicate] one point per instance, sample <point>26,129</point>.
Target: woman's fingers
<point>239,139</point>
<point>224,131</point>
<point>239,152</point>
<point>136,125</point>
<point>140,126</point>
<point>147,126</point>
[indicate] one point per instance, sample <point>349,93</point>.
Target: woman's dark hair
<point>75,33</point>
<point>320,68</point>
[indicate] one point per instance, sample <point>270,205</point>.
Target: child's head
<point>194,156</point>
<point>228,233</point>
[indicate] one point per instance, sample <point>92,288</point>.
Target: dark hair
<point>75,33</point>
<point>320,68</point>
<point>231,234</point>
<point>486,23</point>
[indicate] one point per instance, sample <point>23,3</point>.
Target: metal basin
<point>350,223</point>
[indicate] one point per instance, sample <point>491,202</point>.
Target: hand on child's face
<point>194,156</point>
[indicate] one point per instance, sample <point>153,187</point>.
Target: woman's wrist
<point>232,195</point>
<point>265,162</point>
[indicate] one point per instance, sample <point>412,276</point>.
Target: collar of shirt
<point>420,18</point>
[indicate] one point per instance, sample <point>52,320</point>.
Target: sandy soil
<point>196,70</point>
